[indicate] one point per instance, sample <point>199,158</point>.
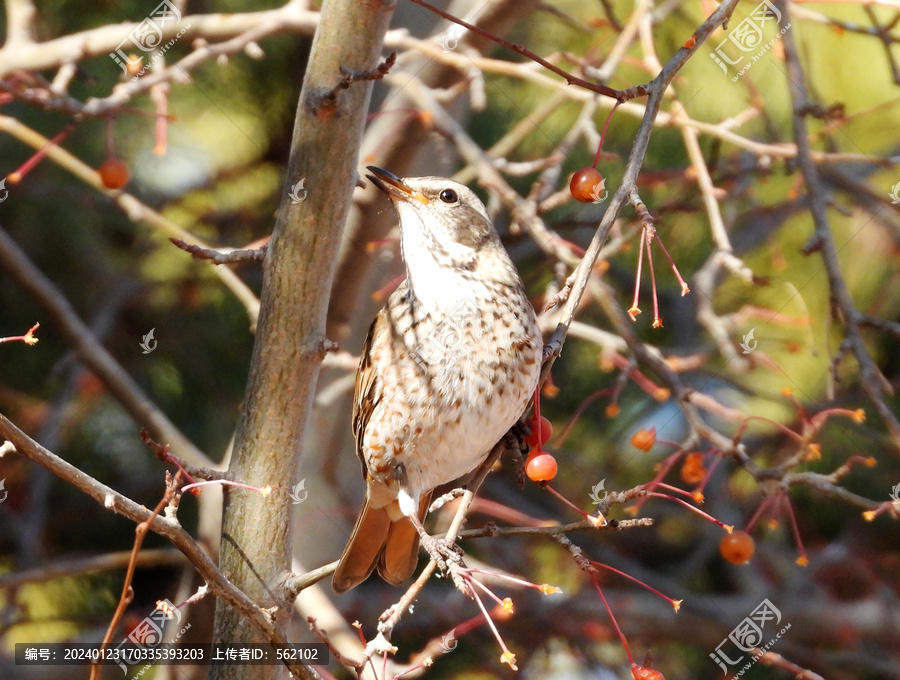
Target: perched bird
<point>449,365</point>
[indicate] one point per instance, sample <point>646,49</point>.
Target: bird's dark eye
<point>448,196</point>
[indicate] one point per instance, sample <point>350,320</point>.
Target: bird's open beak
<point>393,186</point>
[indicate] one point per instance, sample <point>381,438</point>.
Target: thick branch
<point>290,340</point>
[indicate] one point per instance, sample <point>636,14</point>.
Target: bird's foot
<point>448,557</point>
<point>443,552</point>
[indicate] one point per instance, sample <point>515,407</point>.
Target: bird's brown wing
<point>367,393</point>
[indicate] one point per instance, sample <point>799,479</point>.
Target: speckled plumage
<point>448,367</point>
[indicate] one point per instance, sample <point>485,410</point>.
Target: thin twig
<point>221,256</point>
<point>871,378</point>
<point>127,595</point>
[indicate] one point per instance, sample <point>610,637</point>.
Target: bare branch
<point>23,271</point>
<point>871,378</point>
<point>218,584</point>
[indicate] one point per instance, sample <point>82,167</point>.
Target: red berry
<point>737,547</point>
<point>546,432</point>
<point>587,185</point>
<point>541,468</point>
<point>114,173</point>
<point>644,439</point>
<point>644,673</point>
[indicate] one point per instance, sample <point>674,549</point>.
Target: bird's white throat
<point>436,284</point>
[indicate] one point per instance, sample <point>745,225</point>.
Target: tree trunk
<point>290,338</point>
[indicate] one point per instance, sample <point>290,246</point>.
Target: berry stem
<point>160,94</point>
<point>25,168</point>
<point>635,310</point>
<point>603,133</point>
<point>570,504</point>
<point>763,506</point>
<point>110,142</point>
<point>611,616</point>
<point>28,338</point>
<point>802,559</point>
<point>684,287</point>
<point>675,603</point>
<point>506,653</point>
<point>561,437</point>
<point>657,322</point>
<point>692,508</point>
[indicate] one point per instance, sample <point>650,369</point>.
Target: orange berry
<point>692,470</point>
<point>737,547</point>
<point>644,673</point>
<point>541,468</point>
<point>546,432</point>
<point>587,185</point>
<point>644,439</point>
<point>612,410</point>
<point>114,173</point>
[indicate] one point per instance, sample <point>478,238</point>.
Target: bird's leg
<point>445,553</point>
<point>442,551</point>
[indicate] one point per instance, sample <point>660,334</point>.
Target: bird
<point>449,365</point>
